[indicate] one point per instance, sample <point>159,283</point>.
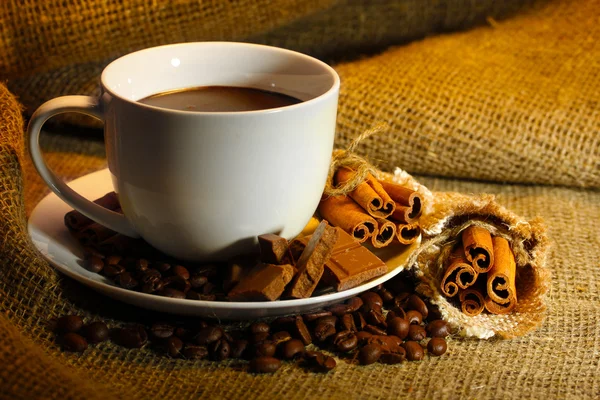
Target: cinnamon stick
<point>370,195</point>
<point>459,274</point>
<point>408,203</point>
<point>477,243</point>
<point>501,289</point>
<point>407,233</point>
<point>471,301</point>
<point>342,211</point>
<point>386,232</point>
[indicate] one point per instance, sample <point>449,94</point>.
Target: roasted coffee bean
<point>347,323</point>
<point>181,271</point>
<point>416,303</point>
<point>385,295</point>
<point>227,336</point>
<point>376,318</point>
<point>372,301</point>
<point>259,327</point>
<point>161,330</point>
<point>375,330</point>
<point>280,337</point>
<point>416,333</point>
<point>96,332</point>
<point>265,365</point>
<point>401,299</point>
<point>194,352</point>
<point>393,357</point>
<point>323,330</point>
<point>162,266</point>
<point>193,295</point>
<point>71,341</point>
<point>132,337</point>
<point>185,334</point>
<point>239,348</point>
<point>359,321</point>
<point>127,281</point>
<point>437,346</point>
<point>414,317</point>
<point>328,319</point>
<point>208,270</point>
<point>259,337</point>
<point>398,327</point>
<point>153,287</point>
<point>339,309</point>
<point>177,282</point>
<point>208,288</point>
<point>112,270</point>
<point>398,312</point>
<point>266,348</point>
<point>150,276</point>
<point>141,265</point>
<point>173,346</point>
<point>315,315</point>
<point>209,335</point>
<point>369,354</point>
<point>92,252</point>
<point>354,304</point>
<point>387,343</point>
<point>69,323</point>
<point>414,351</point>
<point>197,281</point>
<point>301,331</point>
<point>172,293</point>
<point>438,328</point>
<point>94,264</point>
<point>291,349</point>
<point>363,336</point>
<point>219,350</point>
<point>345,341</point>
<point>319,362</point>
<point>113,260</point>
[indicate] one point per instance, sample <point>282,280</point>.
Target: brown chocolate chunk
<point>312,261</point>
<point>274,249</point>
<point>264,282</point>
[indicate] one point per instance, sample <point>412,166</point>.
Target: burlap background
<point>551,47</point>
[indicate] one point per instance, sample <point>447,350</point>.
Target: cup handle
<point>85,105</point>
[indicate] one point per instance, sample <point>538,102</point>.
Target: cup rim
<point>333,90</point>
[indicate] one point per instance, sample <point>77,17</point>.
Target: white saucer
<point>51,237</point>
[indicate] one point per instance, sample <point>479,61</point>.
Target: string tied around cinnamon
<point>347,158</point>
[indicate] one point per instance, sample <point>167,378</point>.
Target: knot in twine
<point>348,159</point>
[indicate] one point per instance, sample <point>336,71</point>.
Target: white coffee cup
<point>203,185</point>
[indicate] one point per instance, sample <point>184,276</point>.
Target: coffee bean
<point>437,346</point>
<point>374,330</point>
<point>291,349</point>
<point>69,323</point>
<point>194,352</point>
<point>193,295</point>
<point>393,357</point>
<point>162,266</point>
<point>259,337</point>
<point>209,335</point>
<point>173,346</point>
<point>354,304</point>
<point>266,348</point>
<point>416,303</point>
<point>347,323</point>
<point>180,271</point>
<point>71,341</point>
<point>315,315</point>
<point>323,330</point>
<point>96,332</point>
<point>184,333</point>
<point>172,293</point>
<point>161,330</point>
<point>398,312</point>
<point>376,318</point>
<point>141,265</point>
<point>113,260</point>
<point>345,341</point>
<point>112,270</point>
<point>197,281</point>
<point>372,301</point>
<point>438,328</point>
<point>219,350</point>
<point>339,309</point>
<point>416,333</point>
<point>369,354</point>
<point>208,288</point>
<point>414,317</point>
<point>132,337</point>
<point>239,348</point>
<point>359,321</point>
<point>363,336</point>
<point>265,365</point>
<point>150,276</point>
<point>301,331</point>
<point>259,327</point>
<point>127,281</point>
<point>280,337</point>
<point>328,319</point>
<point>89,252</point>
<point>319,362</point>
<point>398,327</point>
<point>387,343</point>
<point>414,351</point>
<point>401,299</point>
<point>386,295</point>
<point>94,264</point>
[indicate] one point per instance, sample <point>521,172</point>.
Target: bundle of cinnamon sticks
<point>480,272</point>
<point>376,210</point>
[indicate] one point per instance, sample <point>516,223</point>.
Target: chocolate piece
<point>274,249</point>
<point>264,282</point>
<point>312,261</point>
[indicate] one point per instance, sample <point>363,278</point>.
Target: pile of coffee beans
<point>388,324</point>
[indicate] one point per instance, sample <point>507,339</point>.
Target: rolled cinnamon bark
<point>459,274</point>
<point>342,211</point>
<point>477,243</point>
<point>501,289</point>
<point>76,221</point>
<point>369,194</point>
<point>407,233</point>
<point>471,301</point>
<point>408,203</point>
<point>386,232</point>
